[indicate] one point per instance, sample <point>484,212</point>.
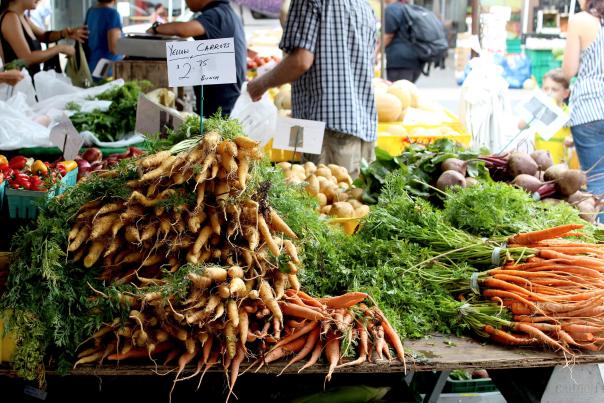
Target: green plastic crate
<point>469,386</point>
<point>25,203</point>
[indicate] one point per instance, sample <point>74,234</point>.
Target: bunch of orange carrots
<point>556,297</point>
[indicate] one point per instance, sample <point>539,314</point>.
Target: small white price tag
<point>305,136</point>
<point>67,138</point>
<point>545,117</point>
<point>153,118</point>
<point>208,62</point>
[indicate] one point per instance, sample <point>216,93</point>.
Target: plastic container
<point>24,203</point>
<point>542,61</point>
<point>513,46</point>
<point>2,187</point>
<point>469,386</point>
<point>280,155</point>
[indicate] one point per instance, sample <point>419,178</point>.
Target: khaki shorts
<point>344,150</point>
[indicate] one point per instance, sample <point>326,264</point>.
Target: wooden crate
<point>155,71</point>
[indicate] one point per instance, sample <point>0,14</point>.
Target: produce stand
<point>508,367</point>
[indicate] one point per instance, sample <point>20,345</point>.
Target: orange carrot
<point>504,337</point>
<point>582,337</point>
<point>308,300</point>
<point>280,352</point>
<point>394,340</point>
<point>344,301</point>
<point>141,352</point>
<point>311,341</point>
<point>584,261</point>
<point>298,311</point>
<point>532,331</point>
<point>578,328</point>
<point>297,334</point>
<point>506,294</point>
<point>332,353</point>
<point>316,354</point>
<point>550,233</point>
<point>363,348</point>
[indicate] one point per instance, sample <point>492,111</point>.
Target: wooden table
<point>436,353</point>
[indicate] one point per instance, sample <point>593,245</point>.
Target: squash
<point>283,99</point>
<point>407,93</point>
<point>388,106</point>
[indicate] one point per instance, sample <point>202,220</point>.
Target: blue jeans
<point>589,143</point>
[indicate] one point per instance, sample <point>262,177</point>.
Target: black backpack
<point>427,33</point>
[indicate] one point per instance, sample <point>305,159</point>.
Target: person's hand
<point>256,89</point>
<point>11,77</point>
<point>79,34</point>
<point>569,142</point>
<point>67,50</point>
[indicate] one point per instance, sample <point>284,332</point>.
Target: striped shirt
<point>337,89</point>
<point>587,97</point>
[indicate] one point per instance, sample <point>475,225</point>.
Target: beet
<point>522,163</point>
<point>578,197</point>
<point>527,182</point>
<point>92,154</point>
<point>571,181</point>
<point>543,159</point>
<point>449,179</point>
<point>553,173</point>
<point>472,182</point>
<point>588,210</point>
<point>454,164</point>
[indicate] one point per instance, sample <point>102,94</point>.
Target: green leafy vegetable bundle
<point>119,119</point>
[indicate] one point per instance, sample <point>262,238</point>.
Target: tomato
<point>18,162</point>
<point>61,169</point>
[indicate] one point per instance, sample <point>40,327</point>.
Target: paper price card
<point>305,136</point>
<point>208,62</point>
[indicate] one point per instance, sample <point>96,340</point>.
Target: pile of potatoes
<point>332,186</point>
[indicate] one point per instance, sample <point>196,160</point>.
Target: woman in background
<point>105,28</point>
<point>584,58</point>
<point>21,39</point>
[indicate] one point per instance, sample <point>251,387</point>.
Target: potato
<point>339,172</point>
<point>326,172</point>
<point>322,199</point>
<point>344,186</point>
<point>354,203</point>
<point>321,166</point>
<point>312,186</point>
<point>324,184</point>
<point>361,211</point>
<point>310,168</point>
<point>342,210</point>
<point>356,193</point>
<point>298,170</point>
<point>286,166</point>
<point>341,196</point>
<point>333,180</point>
<point>330,193</point>
<point>326,209</point>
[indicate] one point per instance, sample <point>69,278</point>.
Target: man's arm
<point>181,29</point>
<point>290,69</point>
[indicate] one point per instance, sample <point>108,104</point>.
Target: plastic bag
<point>24,86</point>
<point>258,119</point>
<point>49,84</point>
<point>18,130</point>
<point>77,68</point>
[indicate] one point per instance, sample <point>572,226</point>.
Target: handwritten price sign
<point>207,62</point>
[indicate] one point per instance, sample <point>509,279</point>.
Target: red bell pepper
<point>18,162</point>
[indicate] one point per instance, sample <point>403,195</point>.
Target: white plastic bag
<point>50,84</point>
<point>258,119</point>
<point>91,140</point>
<point>17,129</point>
<point>24,87</point>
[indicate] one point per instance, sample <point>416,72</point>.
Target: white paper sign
<point>207,62</point>
<point>305,136</point>
<point>67,138</point>
<point>153,118</point>
<point>543,115</point>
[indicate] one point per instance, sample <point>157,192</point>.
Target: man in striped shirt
<point>330,47</point>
